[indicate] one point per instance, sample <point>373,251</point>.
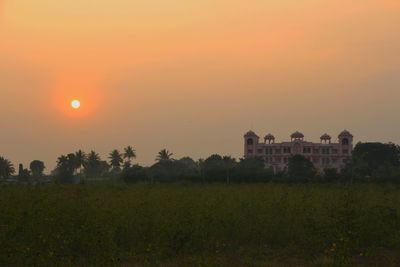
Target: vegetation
<point>175,216</point>
<point>199,225</point>
<point>371,162</point>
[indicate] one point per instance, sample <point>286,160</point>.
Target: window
<point>278,160</point>
<point>345,151</point>
<point>250,141</point>
<point>250,151</point>
<point>278,151</point>
<point>325,150</point>
<point>345,141</point>
<point>285,160</point>
<point>268,151</point>
<point>307,150</point>
<point>286,150</point>
<point>316,151</point>
<point>334,151</point>
<point>259,151</point>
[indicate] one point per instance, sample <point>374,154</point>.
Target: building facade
<point>325,154</point>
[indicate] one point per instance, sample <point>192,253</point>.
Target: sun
<point>75,104</point>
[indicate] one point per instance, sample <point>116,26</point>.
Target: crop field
<point>200,225</point>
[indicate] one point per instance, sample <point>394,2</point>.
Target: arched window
<point>250,141</point>
<point>345,141</point>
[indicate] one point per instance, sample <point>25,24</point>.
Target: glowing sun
<point>76,104</point>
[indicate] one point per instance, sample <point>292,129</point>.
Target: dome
<point>326,137</point>
<point>345,133</point>
<point>269,137</point>
<point>297,135</point>
<point>251,133</point>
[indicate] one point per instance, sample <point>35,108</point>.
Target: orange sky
<point>193,76</point>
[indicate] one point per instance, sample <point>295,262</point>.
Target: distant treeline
<point>371,162</point>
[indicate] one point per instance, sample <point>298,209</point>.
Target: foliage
<point>164,155</point>
<point>144,225</point>
<point>300,169</point>
<point>116,159</point>
<point>129,154</point>
<point>37,168</point>
<point>6,168</point>
<point>134,174</point>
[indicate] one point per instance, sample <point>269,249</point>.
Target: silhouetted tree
<point>94,166</point>
<point>6,168</point>
<point>371,159</point>
<point>66,166</point>
<point>164,155</point>
<point>37,168</point>
<point>129,154</point>
<point>134,174</point>
<point>252,170</point>
<point>115,161</point>
<point>229,163</point>
<point>214,168</point>
<point>80,159</point>
<point>300,169</point>
<point>331,175</point>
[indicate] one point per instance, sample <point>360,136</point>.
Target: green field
<point>200,225</point>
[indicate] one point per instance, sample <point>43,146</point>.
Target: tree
<point>300,169</point>
<point>116,160</point>
<point>134,174</point>
<point>129,154</point>
<point>37,168</point>
<point>66,166</point>
<point>229,163</point>
<point>252,170</point>
<point>368,158</point>
<point>214,168</point>
<point>94,166</point>
<point>80,159</point>
<point>164,155</point>
<point>6,168</point>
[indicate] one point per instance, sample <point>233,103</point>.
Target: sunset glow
<point>75,104</point>
<point>203,70</point>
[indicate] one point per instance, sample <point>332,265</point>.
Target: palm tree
<point>129,154</point>
<point>164,155</point>
<point>6,168</point>
<point>115,159</point>
<point>93,165</point>
<point>80,159</point>
<point>62,161</point>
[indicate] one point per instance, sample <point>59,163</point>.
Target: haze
<point>193,76</point>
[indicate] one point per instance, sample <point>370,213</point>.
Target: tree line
<point>370,162</point>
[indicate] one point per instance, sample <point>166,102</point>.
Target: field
<point>200,225</point>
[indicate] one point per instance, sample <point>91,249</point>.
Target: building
<point>325,154</point>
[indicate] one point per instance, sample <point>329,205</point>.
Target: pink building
<point>325,154</point>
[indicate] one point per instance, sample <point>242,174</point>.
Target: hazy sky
<point>194,76</point>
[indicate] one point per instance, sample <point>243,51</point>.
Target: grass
<point>200,225</point>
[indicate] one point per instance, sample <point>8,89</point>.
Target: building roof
<point>326,137</point>
<point>269,137</point>
<point>345,133</point>
<point>251,133</point>
<point>297,134</point>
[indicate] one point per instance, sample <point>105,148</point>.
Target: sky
<point>193,76</point>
